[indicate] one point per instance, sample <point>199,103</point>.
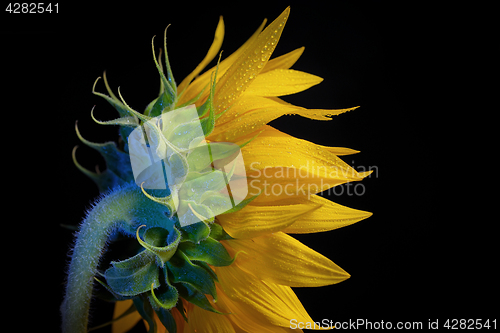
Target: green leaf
<point>209,250</point>
<point>155,239</point>
<point>133,276</point>
<point>183,270</point>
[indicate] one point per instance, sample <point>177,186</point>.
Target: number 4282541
<point>32,8</point>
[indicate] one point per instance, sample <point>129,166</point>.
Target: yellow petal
<point>278,304</point>
<point>203,80</point>
<point>207,322</point>
<point>284,62</point>
<point>212,52</point>
<point>282,259</point>
<point>249,113</point>
<point>246,319</point>
<point>283,167</point>
<point>253,221</point>
<point>126,323</point>
<point>281,82</point>
<point>328,216</point>
<point>340,151</point>
<point>246,68</point>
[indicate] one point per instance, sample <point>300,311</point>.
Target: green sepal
<point>218,233</point>
<point>169,91</point>
<point>206,267</point>
<point>164,102</point>
<point>155,238</point>
<point>113,100</point>
<point>122,121</point>
<point>198,159</point>
<point>166,297</point>
<point>208,123</point>
<point>142,117</point>
<point>150,105</point>
<point>192,211</point>
<point>124,133</point>
<point>170,75</point>
<point>104,180</point>
<point>116,161</point>
<point>146,311</point>
<point>209,250</point>
<point>133,276</point>
<point>193,101</point>
<point>108,295</point>
<point>129,117</point>
<point>217,202</point>
<point>195,232</point>
<point>190,294</point>
<point>183,135</point>
<point>127,125</point>
<point>242,204</point>
<point>183,270</point>
<point>167,320</point>
<point>170,201</point>
<point>197,183</point>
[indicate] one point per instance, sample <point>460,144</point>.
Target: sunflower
<point>256,262</point>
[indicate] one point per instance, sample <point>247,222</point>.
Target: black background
<point>420,257</point>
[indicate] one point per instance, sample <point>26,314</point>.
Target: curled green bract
<point>174,225</point>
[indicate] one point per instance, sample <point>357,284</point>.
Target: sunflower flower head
<point>193,184</point>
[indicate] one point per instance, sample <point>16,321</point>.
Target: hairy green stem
<point>123,208</point>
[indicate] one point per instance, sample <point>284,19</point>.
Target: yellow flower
<point>254,293</point>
